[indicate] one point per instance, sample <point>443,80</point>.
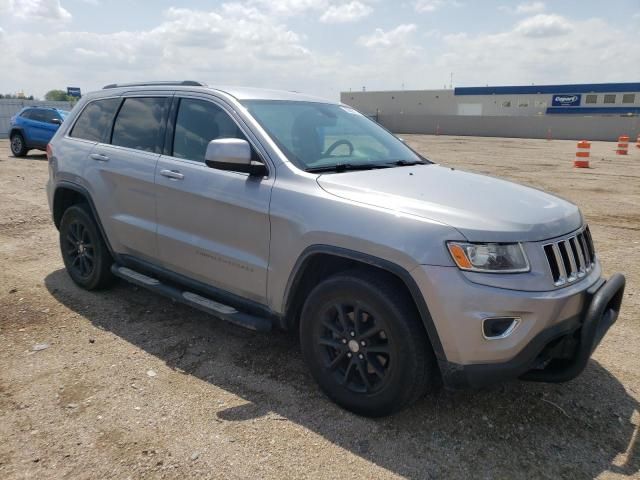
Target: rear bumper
<point>556,354</point>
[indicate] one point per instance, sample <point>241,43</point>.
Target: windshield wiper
<point>343,167</point>
<point>408,163</point>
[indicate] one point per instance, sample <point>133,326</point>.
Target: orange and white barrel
<point>638,141</point>
<point>623,145</point>
<point>582,154</point>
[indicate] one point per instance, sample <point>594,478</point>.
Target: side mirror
<point>57,121</point>
<point>232,154</point>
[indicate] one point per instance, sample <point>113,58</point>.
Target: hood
<point>480,207</point>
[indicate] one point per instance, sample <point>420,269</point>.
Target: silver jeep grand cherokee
<point>276,209</point>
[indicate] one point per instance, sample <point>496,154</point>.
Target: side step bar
<point>194,300</point>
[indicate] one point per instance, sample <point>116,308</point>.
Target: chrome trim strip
<point>562,277</point>
<point>514,324</point>
<point>583,265</point>
<point>586,250</point>
<point>572,261</point>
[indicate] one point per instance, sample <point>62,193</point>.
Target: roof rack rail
<point>184,83</point>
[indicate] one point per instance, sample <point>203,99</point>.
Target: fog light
<point>499,327</point>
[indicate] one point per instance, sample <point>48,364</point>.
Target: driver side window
<point>198,122</point>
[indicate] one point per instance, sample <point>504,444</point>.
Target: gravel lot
<point>133,386</point>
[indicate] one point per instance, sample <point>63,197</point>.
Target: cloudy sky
<point>317,46</point>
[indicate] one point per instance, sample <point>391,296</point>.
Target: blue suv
<point>33,127</point>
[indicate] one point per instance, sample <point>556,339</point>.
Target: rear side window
<point>41,115</point>
<point>139,124</point>
<point>27,114</point>
<point>198,123</point>
<point>44,115</point>
<point>95,120</point>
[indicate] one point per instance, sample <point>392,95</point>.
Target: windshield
<point>319,136</point>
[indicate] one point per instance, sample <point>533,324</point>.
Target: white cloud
<point>334,11</point>
<point>391,38</point>
<point>348,12</point>
<point>527,8</point>
<point>49,10</point>
<point>234,44</point>
<point>543,26</point>
<point>428,6</point>
<point>289,7</point>
<point>423,6</point>
<point>531,7</point>
<point>548,50</point>
<point>540,52</point>
<point>246,43</point>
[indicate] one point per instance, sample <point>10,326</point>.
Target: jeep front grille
<point>571,258</point>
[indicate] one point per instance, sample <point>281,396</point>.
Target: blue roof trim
<point>551,89</point>
<point>594,110</point>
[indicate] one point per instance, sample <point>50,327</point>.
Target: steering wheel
<point>336,144</point>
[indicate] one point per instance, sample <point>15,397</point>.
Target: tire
<point>18,145</point>
<point>378,368</point>
<point>85,255</point>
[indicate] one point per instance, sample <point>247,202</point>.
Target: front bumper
<point>556,354</point>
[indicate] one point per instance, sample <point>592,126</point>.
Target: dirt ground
<point>133,386</point>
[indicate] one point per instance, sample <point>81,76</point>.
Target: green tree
<point>57,96</point>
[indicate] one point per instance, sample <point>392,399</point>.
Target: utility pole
<point>451,81</point>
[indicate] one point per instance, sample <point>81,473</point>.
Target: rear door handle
<point>99,157</point>
<point>174,174</point>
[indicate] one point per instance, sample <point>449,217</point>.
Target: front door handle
<point>99,157</point>
<point>174,174</point>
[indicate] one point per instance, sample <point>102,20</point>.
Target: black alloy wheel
<point>84,252</point>
<point>363,340</point>
<point>356,347</point>
<point>18,145</point>
<point>80,250</point>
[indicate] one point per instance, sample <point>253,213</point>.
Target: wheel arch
<point>67,194</point>
<point>320,261</point>
<point>16,129</point>
<point>20,130</point>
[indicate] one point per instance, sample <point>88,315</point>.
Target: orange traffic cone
<point>582,155</point>
<point>623,145</point>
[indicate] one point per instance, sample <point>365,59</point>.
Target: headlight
<point>489,257</point>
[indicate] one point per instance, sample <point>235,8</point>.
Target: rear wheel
<point>84,252</point>
<point>365,345</point>
<point>18,145</point>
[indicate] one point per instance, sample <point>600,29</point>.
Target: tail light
<point>49,152</point>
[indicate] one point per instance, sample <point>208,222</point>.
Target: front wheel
<point>18,145</point>
<point>365,345</point>
<point>84,252</point>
